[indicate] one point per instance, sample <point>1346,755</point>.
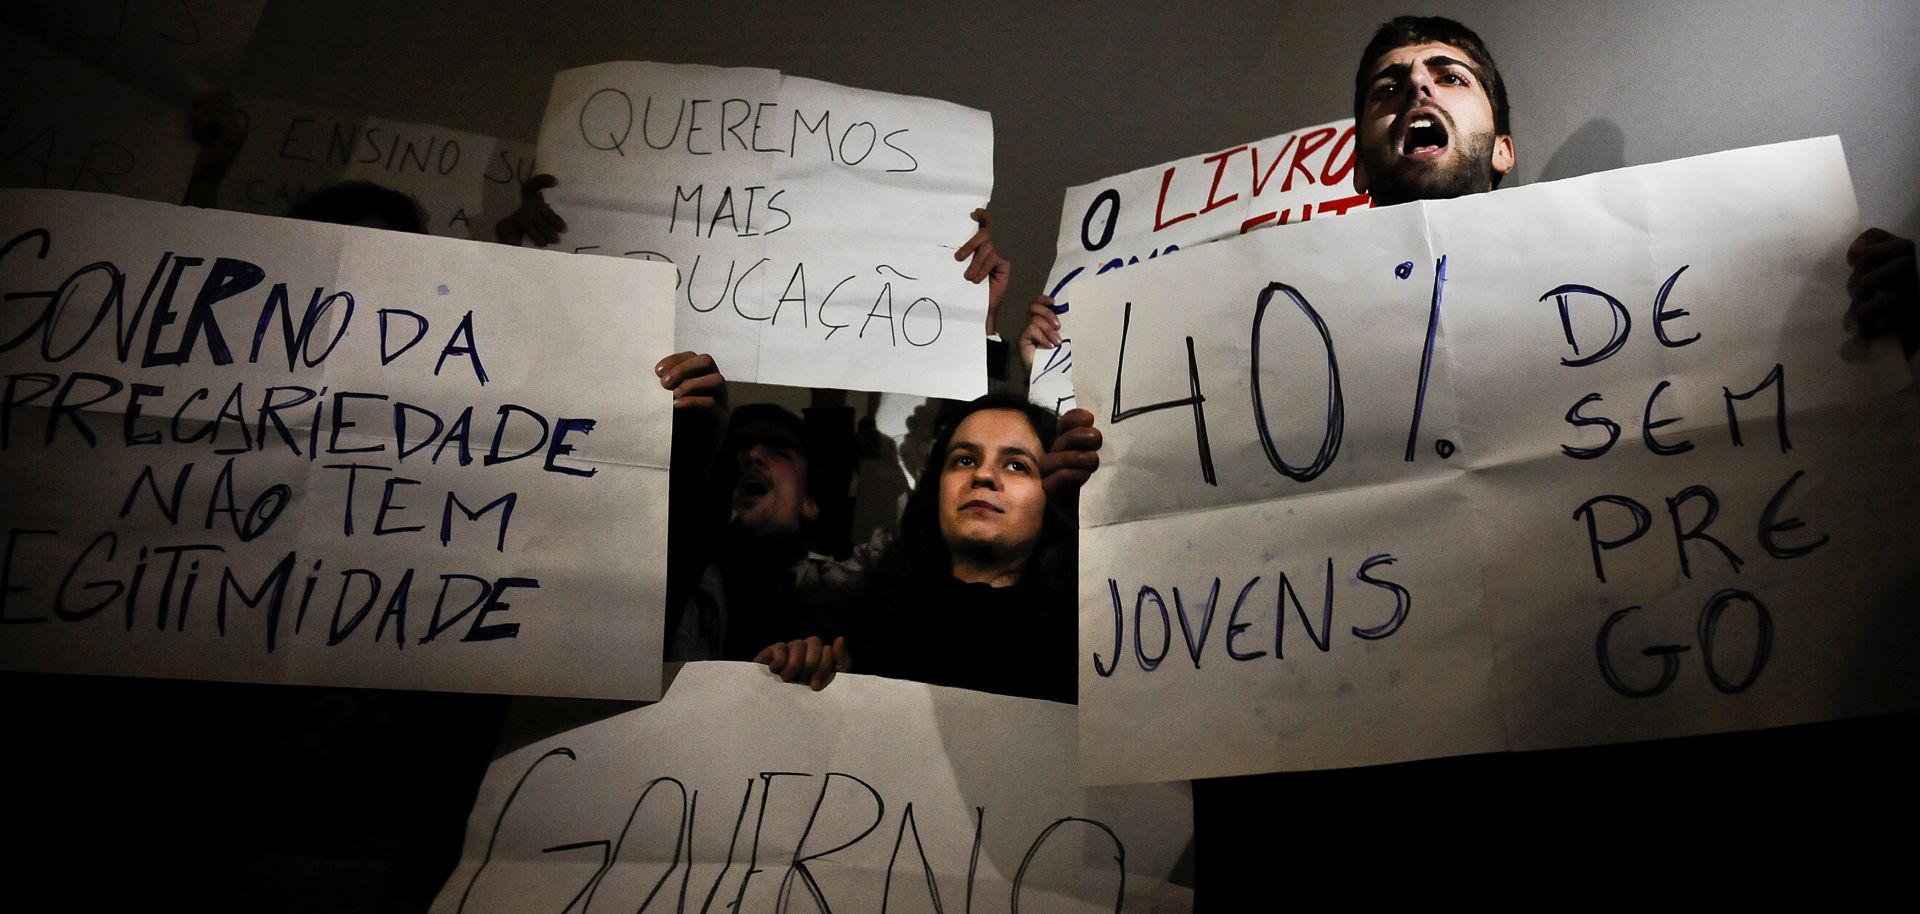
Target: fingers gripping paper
<point>245,448</point>
<point>1152,212</point>
<point>813,226</point>
<point>1577,463</point>
<point>896,796</point>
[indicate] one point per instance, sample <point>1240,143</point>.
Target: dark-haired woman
<point>976,590</point>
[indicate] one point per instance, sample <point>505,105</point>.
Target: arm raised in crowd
<point>986,265</point>
<point>1042,331</point>
<point>699,410</point>
<point>693,511</point>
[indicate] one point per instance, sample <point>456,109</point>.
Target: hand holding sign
<point>985,263</point>
<point>696,382</point>
<point>811,660</point>
<point>1071,461</point>
<point>1042,330</point>
<point>699,391</point>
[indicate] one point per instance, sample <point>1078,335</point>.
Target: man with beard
<point>1431,112</point>
<point>763,582</point>
<point>1433,124</point>
<point>1432,117</point>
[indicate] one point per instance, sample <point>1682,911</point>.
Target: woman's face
<point>991,501</point>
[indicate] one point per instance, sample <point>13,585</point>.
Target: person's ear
<point>1359,175</point>
<point>1502,156</point>
<point>809,511</point>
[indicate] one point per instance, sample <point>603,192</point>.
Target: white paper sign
<point>67,126</point>
<point>741,793</point>
<point>1141,215</point>
<point>245,448</point>
<point>813,225</point>
<point>1575,463</point>
<point>464,181</point>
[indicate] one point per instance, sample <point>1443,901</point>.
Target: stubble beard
<point>1469,172</point>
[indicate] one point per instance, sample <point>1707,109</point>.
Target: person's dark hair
<point>348,202</point>
<point>918,554</point>
<point>763,423</point>
<point>1405,31</point>
<point>754,421</point>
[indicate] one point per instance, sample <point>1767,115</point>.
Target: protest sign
<point>465,182</point>
<point>813,226</point>
<point>67,126</point>
<point>257,449</point>
<point>1576,463</point>
<point>742,793</point>
<point>164,45</point>
<point>1141,215</point>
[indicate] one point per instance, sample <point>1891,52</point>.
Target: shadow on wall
<point>1599,145</point>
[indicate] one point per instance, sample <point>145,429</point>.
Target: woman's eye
<point>963,460</point>
<point>1017,466</point>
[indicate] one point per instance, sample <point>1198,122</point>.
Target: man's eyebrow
<point>1393,70</point>
<point>1445,60</point>
<point>1400,70</point>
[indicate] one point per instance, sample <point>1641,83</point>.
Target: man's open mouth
<point>751,487</point>
<point>1425,136</point>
